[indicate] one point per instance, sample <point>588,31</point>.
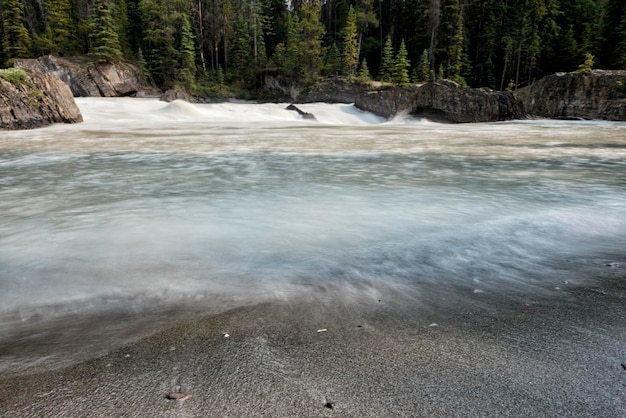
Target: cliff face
<point>443,100</point>
<point>596,94</point>
<point>38,99</point>
<point>89,80</point>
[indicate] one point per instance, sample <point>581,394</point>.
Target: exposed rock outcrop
<point>34,100</point>
<point>89,79</point>
<point>596,94</point>
<point>443,100</point>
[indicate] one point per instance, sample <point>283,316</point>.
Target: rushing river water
<point>148,203</point>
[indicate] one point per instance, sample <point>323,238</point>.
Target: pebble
<point>177,396</point>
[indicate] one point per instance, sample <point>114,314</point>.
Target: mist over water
<point>151,203</point>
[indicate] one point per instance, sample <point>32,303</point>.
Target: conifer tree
<point>402,66</point>
<point>350,44</point>
<point>17,39</point>
<point>105,45</point>
<point>332,61</point>
<point>364,72</point>
<point>387,65</point>
<point>312,33</point>
<point>187,53</point>
<point>422,72</point>
<point>59,26</point>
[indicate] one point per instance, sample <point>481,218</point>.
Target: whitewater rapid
<point>148,202</point>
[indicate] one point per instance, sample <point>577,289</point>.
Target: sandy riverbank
<point>558,354</point>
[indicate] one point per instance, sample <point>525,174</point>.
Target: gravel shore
<point>560,353</point>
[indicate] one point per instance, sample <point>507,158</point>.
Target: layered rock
<point>596,94</point>
<point>442,100</point>
<point>35,99</point>
<point>89,79</point>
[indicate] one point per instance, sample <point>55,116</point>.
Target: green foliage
<point>17,39</point>
<point>483,42</point>
<point>105,45</point>
<point>59,26</point>
<point>386,72</point>
<point>332,61</point>
<point>15,76</point>
<point>587,65</point>
<point>421,71</point>
<point>187,53</point>
<point>402,65</point>
<point>364,72</point>
<point>350,44</point>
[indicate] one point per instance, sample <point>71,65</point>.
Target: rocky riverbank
<point>32,99</point>
<point>595,94</point>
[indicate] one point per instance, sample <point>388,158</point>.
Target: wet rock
<point>38,100</point>
<point>303,114</point>
<point>596,94</point>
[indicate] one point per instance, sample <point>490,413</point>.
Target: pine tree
<point>350,44</point>
<point>422,72</point>
<point>187,53</point>
<point>364,72</point>
<point>402,65</point>
<point>586,66</point>
<point>241,51</point>
<point>387,63</point>
<point>312,33</point>
<point>17,40</point>
<point>59,26</point>
<point>105,45</point>
<point>332,61</point>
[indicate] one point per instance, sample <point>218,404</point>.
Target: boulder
<point>442,100</point>
<point>302,113</point>
<point>87,79</point>
<point>176,94</point>
<point>596,94</point>
<point>32,99</point>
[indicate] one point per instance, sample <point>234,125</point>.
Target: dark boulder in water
<point>303,114</point>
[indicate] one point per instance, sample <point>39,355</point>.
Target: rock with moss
<point>34,99</point>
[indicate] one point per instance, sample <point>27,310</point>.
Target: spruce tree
<point>386,71</point>
<point>17,40</point>
<point>364,72</point>
<point>187,53</point>
<point>402,66</point>
<point>312,34</point>
<point>350,44</point>
<point>332,61</point>
<point>422,72</point>
<point>105,45</point>
<point>59,28</point>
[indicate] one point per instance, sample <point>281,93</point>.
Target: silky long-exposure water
<point>149,204</point>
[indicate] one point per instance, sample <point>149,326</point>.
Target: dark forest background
<point>501,44</point>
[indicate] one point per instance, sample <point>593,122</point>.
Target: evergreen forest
<point>501,44</point>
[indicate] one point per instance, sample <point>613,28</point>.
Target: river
<point>148,204</point>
